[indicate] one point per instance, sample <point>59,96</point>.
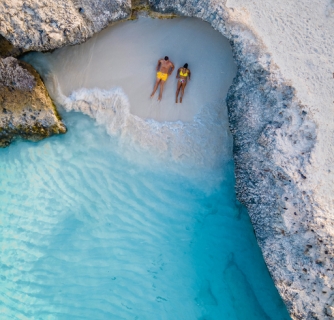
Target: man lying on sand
<point>165,68</point>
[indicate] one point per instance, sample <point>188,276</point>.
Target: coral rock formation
<point>26,110</point>
<point>46,25</point>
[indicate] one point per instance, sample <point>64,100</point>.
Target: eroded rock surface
<point>46,25</point>
<point>26,110</point>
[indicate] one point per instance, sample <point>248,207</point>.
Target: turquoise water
<point>88,233</point>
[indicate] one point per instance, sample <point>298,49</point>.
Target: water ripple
<point>86,234</point>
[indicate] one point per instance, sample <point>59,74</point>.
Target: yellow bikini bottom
<point>162,76</point>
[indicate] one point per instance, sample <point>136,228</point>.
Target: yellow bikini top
<point>183,74</point>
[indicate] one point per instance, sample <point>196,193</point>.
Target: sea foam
<point>203,142</point>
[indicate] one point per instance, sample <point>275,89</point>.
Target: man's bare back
<point>164,69</point>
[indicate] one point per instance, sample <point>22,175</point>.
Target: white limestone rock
<point>46,25</point>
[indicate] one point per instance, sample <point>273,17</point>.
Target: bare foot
<point>159,99</point>
<point>176,101</point>
<point>181,100</point>
<point>151,96</point>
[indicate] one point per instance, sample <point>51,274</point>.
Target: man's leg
<point>155,87</point>
<point>162,83</point>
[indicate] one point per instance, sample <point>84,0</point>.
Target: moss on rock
<point>143,7</point>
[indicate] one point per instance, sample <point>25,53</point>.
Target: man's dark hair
<point>166,58</point>
<point>185,65</point>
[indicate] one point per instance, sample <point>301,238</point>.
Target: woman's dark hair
<point>185,65</point>
<point>166,58</point>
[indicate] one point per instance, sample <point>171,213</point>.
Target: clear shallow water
<point>88,234</point>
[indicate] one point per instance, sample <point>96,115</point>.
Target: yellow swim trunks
<point>162,76</point>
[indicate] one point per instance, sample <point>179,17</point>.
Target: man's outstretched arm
<point>178,73</point>
<point>158,65</point>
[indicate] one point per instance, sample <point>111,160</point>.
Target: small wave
<point>204,142</point>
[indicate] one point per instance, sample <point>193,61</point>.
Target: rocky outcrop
<point>46,25</point>
<point>26,110</point>
<point>273,141</point>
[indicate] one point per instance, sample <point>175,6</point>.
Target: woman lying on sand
<point>183,74</point>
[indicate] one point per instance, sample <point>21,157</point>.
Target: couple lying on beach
<point>165,68</point>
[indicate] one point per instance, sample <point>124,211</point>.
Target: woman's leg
<point>178,90</point>
<point>183,86</point>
